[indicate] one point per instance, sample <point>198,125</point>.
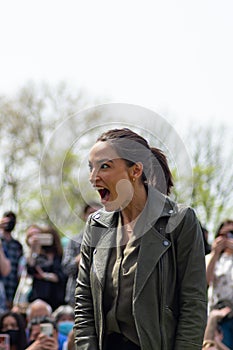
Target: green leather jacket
<point>169,292</point>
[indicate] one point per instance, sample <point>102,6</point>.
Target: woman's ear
<point>137,170</point>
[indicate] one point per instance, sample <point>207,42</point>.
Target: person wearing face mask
<point>13,324</point>
<point>64,318</point>
<point>14,252</point>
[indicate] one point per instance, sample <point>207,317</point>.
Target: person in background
<point>64,318</point>
<point>205,234</point>
<point>44,265</point>
<point>213,334</point>
<point>71,256</point>
<point>38,340</point>
<point>38,310</point>
<point>5,268</point>
<point>219,268</point>
<point>70,345</point>
<point>14,251</point>
<point>141,281</point>
<point>13,324</point>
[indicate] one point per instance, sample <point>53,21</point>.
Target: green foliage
<point>212,175</point>
<point>27,122</point>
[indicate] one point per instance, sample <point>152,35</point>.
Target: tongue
<point>104,194</point>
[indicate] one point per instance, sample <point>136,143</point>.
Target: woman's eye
<point>104,166</point>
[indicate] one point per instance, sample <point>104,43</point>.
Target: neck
<point>7,235</point>
<point>135,207</point>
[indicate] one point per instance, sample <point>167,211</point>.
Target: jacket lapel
<point>105,244</point>
<point>153,246</point>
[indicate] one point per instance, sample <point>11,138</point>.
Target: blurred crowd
<point>37,289</point>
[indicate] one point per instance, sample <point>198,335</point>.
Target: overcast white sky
<point>174,57</point>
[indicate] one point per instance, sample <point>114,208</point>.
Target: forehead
<point>39,311</point>
<point>9,320</point>
<point>102,150</point>
<point>32,230</point>
<point>66,317</point>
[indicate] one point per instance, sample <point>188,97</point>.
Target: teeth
<point>103,191</point>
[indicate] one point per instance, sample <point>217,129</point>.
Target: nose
<point>93,176</point>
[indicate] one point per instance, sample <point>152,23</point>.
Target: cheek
<point>123,193</point>
<point>124,188</point>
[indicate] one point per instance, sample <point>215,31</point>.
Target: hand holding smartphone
<point>4,342</point>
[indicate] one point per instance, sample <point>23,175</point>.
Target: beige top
<point>222,286</point>
<point>118,295</point>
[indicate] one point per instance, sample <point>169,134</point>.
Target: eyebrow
<point>102,161</point>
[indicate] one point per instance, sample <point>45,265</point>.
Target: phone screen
<point>45,239</point>
<point>4,342</point>
<point>47,329</point>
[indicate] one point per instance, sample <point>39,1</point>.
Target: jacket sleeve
<point>191,283</point>
<point>69,264</point>
<point>84,328</point>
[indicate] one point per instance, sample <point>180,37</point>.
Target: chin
<point>111,206</point>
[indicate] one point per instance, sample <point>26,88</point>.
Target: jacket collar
<point>158,205</point>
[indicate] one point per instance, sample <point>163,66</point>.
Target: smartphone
<point>230,234</point>
<point>45,238</point>
<point>4,342</point>
<point>47,329</point>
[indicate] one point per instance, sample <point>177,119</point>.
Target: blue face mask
<point>65,327</point>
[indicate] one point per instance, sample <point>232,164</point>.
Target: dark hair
<point>9,214</point>
<point>12,216</point>
<point>21,325</point>
<point>227,221</point>
<point>134,148</point>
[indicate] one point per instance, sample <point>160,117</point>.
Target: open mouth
<point>104,194</point>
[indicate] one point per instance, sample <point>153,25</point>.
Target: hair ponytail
<point>163,175</point>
